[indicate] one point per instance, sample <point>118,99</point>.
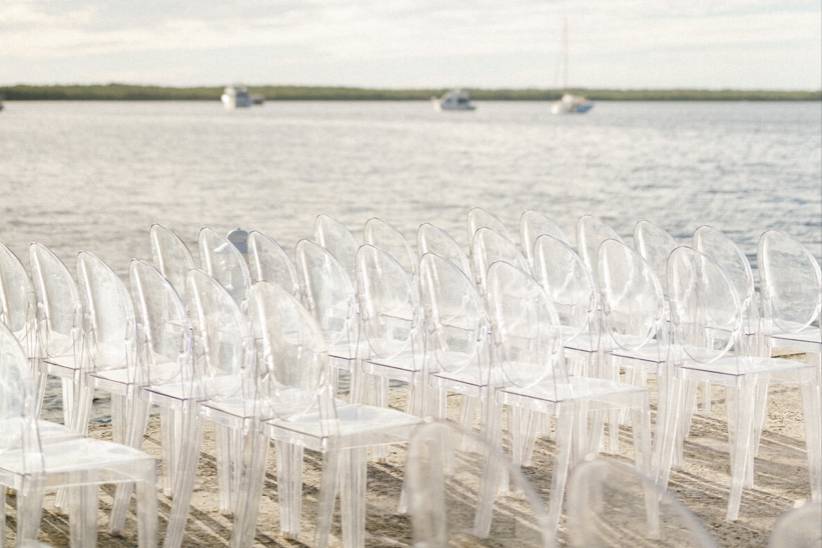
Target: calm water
<point>84,175</point>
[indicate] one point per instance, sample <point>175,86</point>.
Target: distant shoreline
<point>127,92</point>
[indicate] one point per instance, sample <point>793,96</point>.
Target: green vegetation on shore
<point>127,92</point>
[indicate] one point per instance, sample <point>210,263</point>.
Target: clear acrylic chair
<point>59,327</point>
<point>489,246</point>
<point>480,218</point>
<point>528,357</point>
<point>330,295</point>
<point>611,504</point>
<point>168,378</point>
<point>382,235</point>
<point>791,293</point>
<point>799,528</point>
<point>532,225</point>
<point>707,317</point>
<point>431,239</point>
<point>591,232</point>
<point>457,341</point>
<point>655,244</point>
<point>452,496</point>
<point>305,414</point>
<point>338,240</point>
<point>269,262</point>
<point>18,309</point>
<point>170,254</point>
<point>224,262</point>
<point>390,325</point>
<point>31,464</point>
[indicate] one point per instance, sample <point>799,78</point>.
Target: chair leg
<point>743,412</point>
<point>250,487</point>
<point>83,513</point>
<point>352,496</point>
<point>564,439</point>
<point>290,483</point>
<point>2,515</point>
<point>147,508</point>
<point>224,468</point>
<point>138,410</point>
<point>812,410</point>
<point>327,497</point>
<point>29,509</point>
<point>185,472</point>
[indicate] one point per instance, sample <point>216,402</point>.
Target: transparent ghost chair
<point>383,236</point>
<point>532,225</point>
<point>332,299</point>
<point>611,504</point>
<point>30,465</point>
<point>169,380</point>
<point>18,305</point>
<point>305,413</point>
<point>170,254</point>
<point>591,232</point>
<point>489,246</point>
<point>431,239</point>
<point>457,340</point>
<point>338,240</point>
<point>634,327</point>
<point>452,494</point>
<point>480,218</point>
<point>707,319</point>
<point>391,325</point>
<point>223,262</point>
<point>791,293</point>
<point>59,327</point>
<point>529,358</point>
<point>799,528</point>
<point>655,244</point>
<point>269,262</point>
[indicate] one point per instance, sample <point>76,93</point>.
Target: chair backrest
<point>17,300</point>
<point>338,240</point>
<point>431,239</point>
<point>566,280</point>
<point>525,327</point>
<point>388,303</point>
<point>18,425</point>
<point>454,314</point>
<point>109,316</point>
<point>223,261</point>
<point>716,245</point>
<point>612,504</point>
<point>164,331</point>
<point>706,314</point>
<point>171,255</point>
<point>59,311</point>
<point>270,263</point>
<point>453,499</point>
<point>633,306</point>
<point>488,247</point>
<point>293,353</point>
<point>591,232</point>
<point>799,528</point>
<point>329,295</point>
<point>791,283</point>
<point>480,218</point>
<point>226,346</point>
<point>532,225</point>
<point>382,235</point>
<point>655,244</point>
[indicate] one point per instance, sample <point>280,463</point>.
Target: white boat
<point>456,99</point>
<point>569,103</point>
<point>236,97</point>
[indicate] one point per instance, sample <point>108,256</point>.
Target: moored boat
<point>456,99</point>
<point>236,96</point>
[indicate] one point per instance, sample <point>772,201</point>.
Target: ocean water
<point>95,175</point>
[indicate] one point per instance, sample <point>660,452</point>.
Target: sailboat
<point>569,103</point>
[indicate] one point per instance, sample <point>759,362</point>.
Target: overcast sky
<point>394,43</point>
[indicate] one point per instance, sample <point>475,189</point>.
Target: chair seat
<point>53,431</point>
<point>356,426</point>
<point>574,388</point>
<point>745,365</point>
<point>652,351</point>
<point>74,455</point>
<point>808,335</point>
